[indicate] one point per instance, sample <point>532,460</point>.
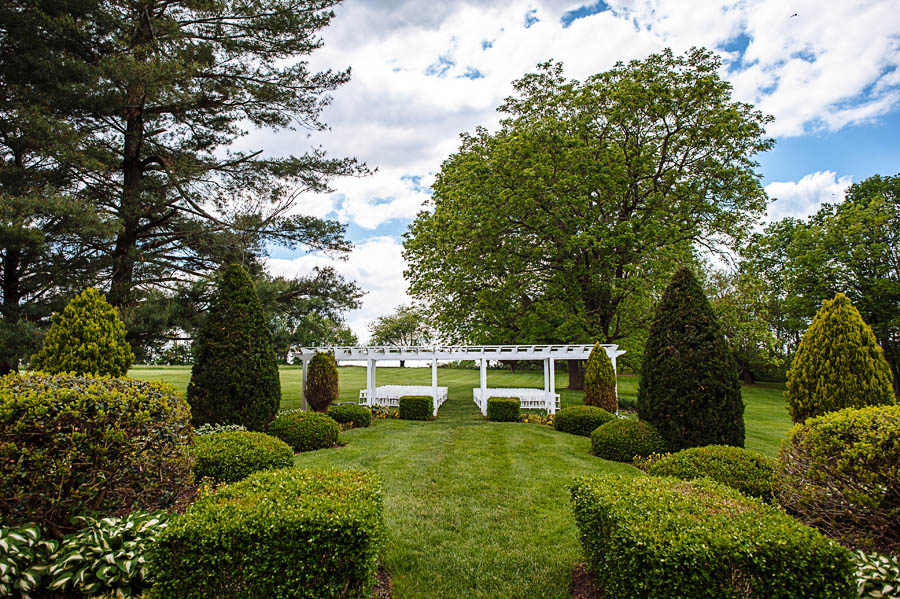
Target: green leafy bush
<point>877,576</point>
<point>234,379</point>
<point>581,420</point>
<point>74,445</point>
<point>351,415</point>
<point>86,338</point>
<point>747,471</point>
<point>600,381</point>
<point>322,381</point>
<point>623,439</point>
<point>503,409</point>
<point>837,365</point>
<point>211,429</point>
<point>665,537</point>
<point>841,473</point>
<point>232,456</point>
<point>690,388</point>
<point>305,431</point>
<point>289,533</point>
<point>24,560</point>
<point>416,407</point>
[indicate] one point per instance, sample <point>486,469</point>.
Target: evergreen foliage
<point>689,388</point>
<point>624,440</point>
<point>87,338</point>
<point>581,420</point>
<point>305,431</point>
<point>746,471</point>
<point>234,379</point>
<point>322,382</point>
<point>416,407</point>
<point>351,415</point>
<point>503,409</point>
<point>838,364</point>
<point>600,381</point>
<point>230,456</point>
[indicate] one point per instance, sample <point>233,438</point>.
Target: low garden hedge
<point>622,439</point>
<point>284,534</point>
<point>351,415</point>
<point>503,409</point>
<point>581,420</point>
<point>747,471</point>
<point>665,537</point>
<point>305,431</point>
<point>416,407</point>
<point>232,456</point>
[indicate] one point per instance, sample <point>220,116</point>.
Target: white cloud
<point>802,198</point>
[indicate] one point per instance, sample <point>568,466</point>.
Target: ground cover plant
<point>233,455</point>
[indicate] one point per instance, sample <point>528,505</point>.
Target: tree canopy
<point>406,326</point>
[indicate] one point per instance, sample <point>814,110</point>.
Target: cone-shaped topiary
<point>322,382</point>
<point>689,388</point>
<point>86,338</point>
<point>235,375</point>
<point>838,364</point>
<point>600,381</point>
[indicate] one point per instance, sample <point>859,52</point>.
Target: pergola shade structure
<point>530,398</point>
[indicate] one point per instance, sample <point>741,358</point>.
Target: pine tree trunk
<point>576,375</point>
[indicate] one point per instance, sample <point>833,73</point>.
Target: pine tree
<point>600,381</point>
<point>86,338</point>
<point>322,382</point>
<point>235,375</point>
<point>838,364</point>
<point>689,388</point>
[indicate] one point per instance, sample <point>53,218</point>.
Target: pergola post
<point>484,386</point>
<point>547,382</point>
<point>434,385</point>
<point>371,366</point>
<point>305,361</point>
<point>552,405</point>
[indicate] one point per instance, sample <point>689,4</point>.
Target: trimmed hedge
<point>416,407</point>
<point>232,456</point>
<point>284,534</point>
<point>665,537</point>
<point>322,383</point>
<point>305,431</point>
<point>747,471</point>
<point>600,381</point>
<point>581,420</point>
<point>503,409</point>
<point>622,439</point>
<point>351,414</point>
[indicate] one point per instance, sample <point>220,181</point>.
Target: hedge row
<point>503,409</point>
<point>749,472</point>
<point>234,455</point>
<point>351,415</point>
<point>416,407</point>
<point>305,431</point>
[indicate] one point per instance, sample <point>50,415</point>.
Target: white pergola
<point>548,354</point>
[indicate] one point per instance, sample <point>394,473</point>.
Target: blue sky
<point>423,72</point>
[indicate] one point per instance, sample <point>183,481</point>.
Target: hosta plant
<point>877,576</point>
<point>24,559</point>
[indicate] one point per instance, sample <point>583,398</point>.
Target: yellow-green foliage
<point>86,338</point>
<point>838,364</point>
<point>600,381</point>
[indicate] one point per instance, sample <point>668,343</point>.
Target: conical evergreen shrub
<point>838,364</point>
<point>322,382</point>
<point>689,388</point>
<point>86,338</point>
<point>600,381</point>
<point>235,375</point>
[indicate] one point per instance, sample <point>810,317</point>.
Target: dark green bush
<point>416,407</point>
<point>581,420</point>
<point>841,473</point>
<point>305,431</point>
<point>322,382</point>
<point>747,471</point>
<point>503,409</point>
<point>622,439</point>
<point>600,381</point>
<point>73,446</point>
<point>664,537</point>
<point>234,379</point>
<point>351,415</point>
<point>232,456</point>
<point>285,534</point>
<point>690,388</point>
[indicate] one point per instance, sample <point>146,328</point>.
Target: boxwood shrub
<point>747,471</point>
<point>503,409</point>
<point>622,439</point>
<point>288,534</point>
<point>654,536</point>
<point>416,407</point>
<point>351,415</point>
<point>581,420</point>
<point>305,431</point>
<point>232,456</point>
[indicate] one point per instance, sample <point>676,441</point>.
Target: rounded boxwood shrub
<point>747,471</point>
<point>233,455</point>
<point>840,472</point>
<point>416,407</point>
<point>305,431</point>
<point>503,409</point>
<point>322,381</point>
<point>622,439</point>
<point>351,415</point>
<point>73,445</point>
<point>581,420</point>
<point>600,381</point>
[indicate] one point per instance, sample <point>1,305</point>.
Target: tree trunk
<point>576,375</point>
<point>402,363</point>
<point>747,375</point>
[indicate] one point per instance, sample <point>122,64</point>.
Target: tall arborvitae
<point>689,388</point>
<point>322,382</point>
<point>235,375</point>
<point>838,364</point>
<point>600,381</point>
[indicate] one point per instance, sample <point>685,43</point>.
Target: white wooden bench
<point>529,399</point>
<point>389,395</point>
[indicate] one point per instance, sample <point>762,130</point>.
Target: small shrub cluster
<point>747,471</point>
<point>503,409</point>
<point>305,431</point>
<point>211,429</point>
<point>322,382</point>
<point>289,533</point>
<point>232,456</point>
<point>581,420</point>
<point>351,415</point>
<point>380,412</point>
<point>664,537</point>
<point>600,381</point>
<point>416,407</point>
<point>624,439</point>
<point>537,418</point>
<point>877,576</point>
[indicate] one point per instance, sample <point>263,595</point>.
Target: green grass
<point>473,508</point>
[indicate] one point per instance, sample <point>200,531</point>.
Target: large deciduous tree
<point>407,326</point>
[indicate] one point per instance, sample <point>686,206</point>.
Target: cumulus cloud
<point>802,198</point>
